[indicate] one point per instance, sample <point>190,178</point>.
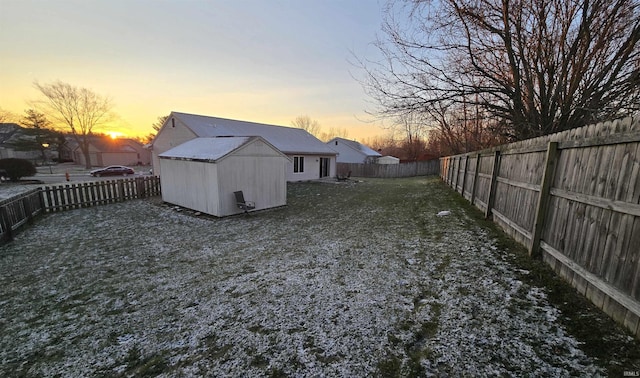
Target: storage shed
<point>388,160</point>
<point>204,173</point>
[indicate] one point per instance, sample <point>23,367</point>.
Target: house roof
<point>9,131</point>
<point>207,149</point>
<point>105,144</point>
<point>112,145</point>
<point>289,140</point>
<point>356,146</point>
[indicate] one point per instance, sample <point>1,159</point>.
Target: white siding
<point>255,168</point>
<point>311,168</point>
<point>167,138</point>
<point>259,171</point>
<point>347,154</point>
<point>261,181</point>
<point>190,184</point>
<point>388,160</point>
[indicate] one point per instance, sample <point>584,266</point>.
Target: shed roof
<point>289,140</point>
<point>356,146</point>
<point>205,149</point>
<point>212,149</point>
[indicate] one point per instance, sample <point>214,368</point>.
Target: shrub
<point>17,168</point>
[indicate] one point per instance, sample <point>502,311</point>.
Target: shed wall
<point>257,170</point>
<point>190,184</point>
<point>261,181</point>
<point>388,160</point>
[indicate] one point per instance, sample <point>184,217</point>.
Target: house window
<point>298,164</point>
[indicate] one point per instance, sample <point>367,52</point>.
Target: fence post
<point>451,163</point>
<point>140,187</point>
<point>475,180</point>
<point>492,188</point>
<point>464,175</point>
<point>543,198</point>
<point>447,174</point>
<point>6,224</point>
<point>457,174</point>
<point>26,205</point>
<point>41,200</point>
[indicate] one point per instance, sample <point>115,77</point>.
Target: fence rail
<point>21,209</point>
<point>418,168</point>
<point>572,198</point>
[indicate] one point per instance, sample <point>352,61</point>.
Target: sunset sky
<point>254,60</point>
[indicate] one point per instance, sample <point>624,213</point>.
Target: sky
<point>266,61</point>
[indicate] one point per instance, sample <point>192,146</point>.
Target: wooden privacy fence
<point>572,198</point>
<point>18,210</point>
<point>86,194</point>
<point>21,209</point>
<point>417,168</point>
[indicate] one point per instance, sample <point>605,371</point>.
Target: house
<point>65,152</point>
<point>350,151</point>
<point>204,173</point>
<point>105,151</point>
<point>309,158</point>
<point>10,136</point>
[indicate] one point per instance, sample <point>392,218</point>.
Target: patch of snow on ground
<point>319,288</point>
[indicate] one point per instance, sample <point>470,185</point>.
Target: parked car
<point>112,170</point>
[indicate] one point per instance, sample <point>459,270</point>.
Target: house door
<point>324,167</point>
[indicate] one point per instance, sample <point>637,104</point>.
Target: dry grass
<point>350,279</point>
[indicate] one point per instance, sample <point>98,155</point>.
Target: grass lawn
<point>351,279</point>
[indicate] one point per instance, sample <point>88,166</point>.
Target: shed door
<point>324,167</point>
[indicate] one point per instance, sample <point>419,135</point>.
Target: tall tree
<point>78,109</point>
<point>306,123</point>
<point>539,66</point>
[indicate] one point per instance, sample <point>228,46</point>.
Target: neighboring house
<point>11,133</point>
<point>66,150</point>
<point>105,151</point>
<point>350,151</point>
<point>388,160</point>
<point>204,173</point>
<point>309,157</point>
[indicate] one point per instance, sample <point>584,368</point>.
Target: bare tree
<point>539,66</point>
<point>6,116</point>
<point>334,132</point>
<point>306,123</point>
<point>78,109</point>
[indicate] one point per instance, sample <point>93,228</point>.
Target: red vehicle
<point>112,170</point>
